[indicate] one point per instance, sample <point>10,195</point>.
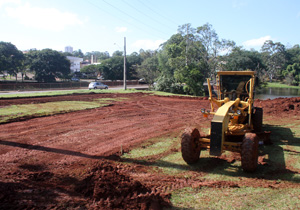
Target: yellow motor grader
<point>236,123</point>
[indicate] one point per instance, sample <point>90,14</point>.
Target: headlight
<point>202,111</point>
<point>239,112</point>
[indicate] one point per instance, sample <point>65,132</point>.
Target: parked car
<point>142,81</point>
<point>75,79</point>
<point>97,85</point>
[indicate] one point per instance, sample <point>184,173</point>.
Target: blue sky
<point>101,25</point>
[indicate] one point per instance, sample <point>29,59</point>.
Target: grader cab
<point>235,125</point>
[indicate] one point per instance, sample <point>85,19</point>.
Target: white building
<point>75,63</point>
<point>69,49</point>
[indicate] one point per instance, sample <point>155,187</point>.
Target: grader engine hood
<point>219,125</point>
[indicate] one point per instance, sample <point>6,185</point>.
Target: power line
<point>122,19</point>
<point>145,14</point>
<point>134,18</point>
<point>166,18</point>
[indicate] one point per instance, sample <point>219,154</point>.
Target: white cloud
<point>121,29</point>
<point>148,44</point>
<point>253,43</point>
<point>4,2</point>
<point>43,18</point>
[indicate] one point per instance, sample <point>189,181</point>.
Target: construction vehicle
<point>236,124</point>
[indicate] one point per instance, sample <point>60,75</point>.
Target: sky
<point>101,25</point>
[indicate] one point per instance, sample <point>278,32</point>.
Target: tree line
<point>180,65</point>
<point>47,65</point>
<point>184,61</point>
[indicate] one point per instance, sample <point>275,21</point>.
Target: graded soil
<point>72,160</point>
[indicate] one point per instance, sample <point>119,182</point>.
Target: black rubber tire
<point>190,145</point>
<point>257,119</point>
<point>249,152</point>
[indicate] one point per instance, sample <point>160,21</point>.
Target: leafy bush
<point>169,85</point>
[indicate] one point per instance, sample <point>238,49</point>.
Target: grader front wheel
<point>249,152</point>
<point>190,145</point>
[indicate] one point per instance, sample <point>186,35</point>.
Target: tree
<point>187,33</point>
<point>48,65</point>
<point>240,59</point>
<point>11,59</point>
<point>292,74</point>
<point>293,55</point>
<point>67,54</point>
<point>213,46</point>
<point>104,55</point>
<point>92,69</point>
<point>98,56</point>
<point>132,62</point>
<point>113,68</point>
<point>274,56</point>
<point>148,69</point>
<point>25,65</point>
<point>117,53</point>
<point>181,62</point>
<point>78,53</point>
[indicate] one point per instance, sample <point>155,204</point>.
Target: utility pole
<point>187,44</point>
<point>124,77</point>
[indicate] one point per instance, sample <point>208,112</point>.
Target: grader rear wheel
<point>190,145</point>
<point>249,152</point>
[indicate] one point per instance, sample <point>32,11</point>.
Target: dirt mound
<point>111,189</point>
<point>279,106</point>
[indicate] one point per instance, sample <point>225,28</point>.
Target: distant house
<point>85,63</point>
<point>75,63</point>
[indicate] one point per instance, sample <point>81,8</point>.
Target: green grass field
<point>240,196</point>
<point>250,191</point>
<point>279,85</point>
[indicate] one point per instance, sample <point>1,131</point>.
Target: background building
<point>69,49</point>
<point>75,63</point>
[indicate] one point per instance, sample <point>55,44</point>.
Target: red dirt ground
<point>71,160</point>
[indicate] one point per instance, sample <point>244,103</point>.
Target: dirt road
<point>66,160</point>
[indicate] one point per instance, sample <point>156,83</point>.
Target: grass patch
<point>236,198</point>
<point>64,92</point>
<point>173,164</point>
<point>10,113</point>
<point>160,146</point>
<point>160,93</point>
<point>280,85</point>
<point>70,92</point>
<point>102,100</point>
